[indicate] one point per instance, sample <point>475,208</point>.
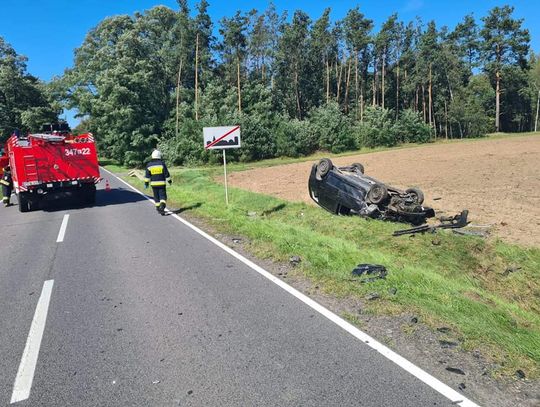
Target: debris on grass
<point>373,296</point>
<point>295,260</point>
<point>447,344</point>
<point>443,329</point>
<point>455,370</point>
<point>376,271</point>
<point>511,269</point>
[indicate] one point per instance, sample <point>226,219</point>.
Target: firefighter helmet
<point>156,155</point>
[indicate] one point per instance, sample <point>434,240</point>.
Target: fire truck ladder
<point>30,168</point>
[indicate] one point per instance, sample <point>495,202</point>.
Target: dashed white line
<point>63,227</point>
<point>25,374</point>
<point>399,360</point>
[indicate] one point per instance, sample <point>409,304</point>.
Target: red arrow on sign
<point>221,138</point>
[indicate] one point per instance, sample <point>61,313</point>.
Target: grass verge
<point>462,282</point>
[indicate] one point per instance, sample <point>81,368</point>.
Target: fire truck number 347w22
<point>52,164</point>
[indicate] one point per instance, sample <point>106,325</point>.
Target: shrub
<point>332,128</point>
<point>295,138</point>
<point>377,129</point>
<point>410,128</point>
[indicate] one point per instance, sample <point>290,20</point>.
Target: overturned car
<point>346,190</point>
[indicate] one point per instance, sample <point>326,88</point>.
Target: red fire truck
<point>53,163</point>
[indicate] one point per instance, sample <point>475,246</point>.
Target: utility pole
<point>197,77</point>
<point>178,96</point>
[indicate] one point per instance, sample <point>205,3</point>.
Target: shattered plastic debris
<point>511,269</point>
<point>448,344</point>
<point>373,296</point>
<point>377,272</point>
<point>456,370</point>
<point>295,260</point>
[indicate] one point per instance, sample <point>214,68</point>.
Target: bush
<point>380,128</point>
<point>410,128</point>
<point>332,128</point>
<point>258,137</point>
<point>295,138</point>
<point>187,148</point>
<point>377,129</point>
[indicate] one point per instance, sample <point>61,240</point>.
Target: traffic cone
<point>107,186</point>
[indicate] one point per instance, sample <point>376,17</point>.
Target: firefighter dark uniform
<point>157,175</point>
<point>7,186</point>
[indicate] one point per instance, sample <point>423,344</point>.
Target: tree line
<point>25,102</point>
<point>294,84</point>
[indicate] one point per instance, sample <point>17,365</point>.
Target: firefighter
<point>157,175</point>
<point>7,186</point>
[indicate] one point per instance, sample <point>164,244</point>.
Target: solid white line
<point>63,227</point>
<point>25,374</point>
<point>399,360</point>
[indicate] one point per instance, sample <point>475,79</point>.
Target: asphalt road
<point>146,312</point>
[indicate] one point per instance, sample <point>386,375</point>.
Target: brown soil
<point>497,180</point>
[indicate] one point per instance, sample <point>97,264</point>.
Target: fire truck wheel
<point>88,195</point>
<point>23,202</point>
<point>33,204</point>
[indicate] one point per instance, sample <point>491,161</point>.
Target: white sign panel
<point>219,138</point>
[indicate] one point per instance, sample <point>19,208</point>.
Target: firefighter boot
<point>161,209</point>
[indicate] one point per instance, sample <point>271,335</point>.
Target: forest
<point>294,84</point>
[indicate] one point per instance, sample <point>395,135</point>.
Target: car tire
<point>324,167</point>
<point>357,167</point>
<point>416,194</point>
<point>377,194</point>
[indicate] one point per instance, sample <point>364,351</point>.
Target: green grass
<point>460,283</point>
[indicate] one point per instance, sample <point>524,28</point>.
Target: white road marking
<point>399,360</point>
<point>25,374</point>
<point>63,227</point>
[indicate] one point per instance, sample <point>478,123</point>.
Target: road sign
<point>219,138</point>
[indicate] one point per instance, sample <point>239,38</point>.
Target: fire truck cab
<point>52,163</point>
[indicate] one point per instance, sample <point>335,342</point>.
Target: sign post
<point>225,171</point>
<point>226,137</point>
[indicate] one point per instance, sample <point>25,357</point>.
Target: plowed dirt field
<point>498,180</point>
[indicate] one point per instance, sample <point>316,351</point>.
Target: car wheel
<point>377,194</point>
<point>324,167</point>
<point>416,194</point>
<point>357,167</point>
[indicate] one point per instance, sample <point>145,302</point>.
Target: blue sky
<point>48,31</point>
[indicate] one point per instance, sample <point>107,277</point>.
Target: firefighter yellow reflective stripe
<point>158,203</point>
<point>3,181</point>
<point>163,201</point>
<point>156,169</point>
<point>147,180</point>
<point>5,199</point>
<point>157,183</point>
